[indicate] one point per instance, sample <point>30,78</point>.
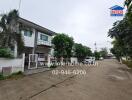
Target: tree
<point>81,52</point>
<point>97,55</point>
<point>122,33</point>
<point>88,51</point>
<point>63,45</point>
<point>128,3</point>
<point>117,49</point>
<point>103,52</point>
<point>10,31</point>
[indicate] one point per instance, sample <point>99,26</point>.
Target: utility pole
<point>95,44</point>
<point>19,6</point>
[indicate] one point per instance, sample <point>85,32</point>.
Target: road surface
<point>107,81</point>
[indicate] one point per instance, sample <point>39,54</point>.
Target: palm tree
<point>10,33</point>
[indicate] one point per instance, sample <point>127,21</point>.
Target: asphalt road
<point>107,81</point>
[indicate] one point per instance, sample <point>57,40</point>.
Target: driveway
<point>107,81</point>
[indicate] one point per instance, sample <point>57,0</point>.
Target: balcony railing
<point>41,42</point>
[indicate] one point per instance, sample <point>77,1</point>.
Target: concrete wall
<point>74,60</point>
<point>16,64</point>
<point>29,41</point>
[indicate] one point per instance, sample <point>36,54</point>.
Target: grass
<point>128,63</point>
<point>12,76</point>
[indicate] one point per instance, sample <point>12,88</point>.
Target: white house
<point>37,47</point>
<point>37,41</point>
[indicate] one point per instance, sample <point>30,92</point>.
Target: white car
<point>101,58</point>
<point>89,60</point>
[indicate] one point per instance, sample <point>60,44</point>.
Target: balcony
<point>41,42</point>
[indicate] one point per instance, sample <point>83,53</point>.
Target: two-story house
<point>37,41</point>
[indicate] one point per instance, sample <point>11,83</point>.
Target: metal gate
<point>33,61</point>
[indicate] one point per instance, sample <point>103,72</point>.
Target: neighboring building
<point>74,60</point>
<point>37,41</point>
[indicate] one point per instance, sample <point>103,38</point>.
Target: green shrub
<point>128,63</point>
<point>4,52</point>
<point>12,76</point>
<point>53,66</point>
<point>1,77</point>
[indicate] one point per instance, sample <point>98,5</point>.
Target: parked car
<point>89,60</point>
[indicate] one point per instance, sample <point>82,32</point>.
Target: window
<point>43,37</point>
<point>41,55</point>
<point>28,33</point>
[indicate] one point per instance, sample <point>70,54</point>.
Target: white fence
<point>74,60</point>
<point>15,64</point>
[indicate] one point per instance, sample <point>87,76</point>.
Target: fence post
<point>49,61</point>
<point>23,61</point>
<point>62,62</point>
<point>15,50</point>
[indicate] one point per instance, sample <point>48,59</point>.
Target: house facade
<point>37,42</point>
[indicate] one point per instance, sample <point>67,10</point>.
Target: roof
<point>35,26</point>
<point>116,7</point>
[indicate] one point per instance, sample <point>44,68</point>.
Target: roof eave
<point>36,26</point>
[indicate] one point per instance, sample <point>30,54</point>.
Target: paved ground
<point>108,81</point>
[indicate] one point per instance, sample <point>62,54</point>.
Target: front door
<point>33,61</point>
<point>42,61</point>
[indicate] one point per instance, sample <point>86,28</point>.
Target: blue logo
<point>116,11</point>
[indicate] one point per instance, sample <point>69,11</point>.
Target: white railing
<point>41,42</point>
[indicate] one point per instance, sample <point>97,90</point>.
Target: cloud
<point>85,20</point>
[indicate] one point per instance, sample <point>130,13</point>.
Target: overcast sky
<point>86,21</point>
